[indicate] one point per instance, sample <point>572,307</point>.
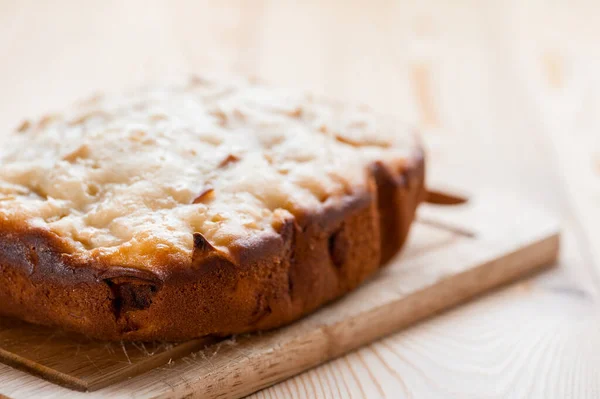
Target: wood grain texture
<point>516,95</point>
<point>80,363</point>
<point>441,269</point>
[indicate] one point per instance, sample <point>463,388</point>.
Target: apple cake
<point>202,207</point>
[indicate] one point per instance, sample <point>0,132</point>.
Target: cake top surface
<point>137,173</point>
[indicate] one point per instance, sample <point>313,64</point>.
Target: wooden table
<point>507,95</point>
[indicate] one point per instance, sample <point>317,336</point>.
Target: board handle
<point>437,197</point>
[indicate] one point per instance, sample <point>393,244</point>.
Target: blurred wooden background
<point>507,94</point>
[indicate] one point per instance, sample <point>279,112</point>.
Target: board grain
<point>454,254</point>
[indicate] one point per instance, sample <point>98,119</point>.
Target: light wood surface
<point>442,268</point>
<point>508,96</point>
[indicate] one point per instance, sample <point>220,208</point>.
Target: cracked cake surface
<point>191,199</point>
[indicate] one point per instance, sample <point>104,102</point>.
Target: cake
<point>200,207</point>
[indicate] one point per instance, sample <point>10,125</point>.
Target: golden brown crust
<point>312,260</point>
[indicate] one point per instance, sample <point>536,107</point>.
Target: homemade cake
<point>199,208</point>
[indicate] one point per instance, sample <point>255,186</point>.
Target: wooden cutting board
<point>454,254</point>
